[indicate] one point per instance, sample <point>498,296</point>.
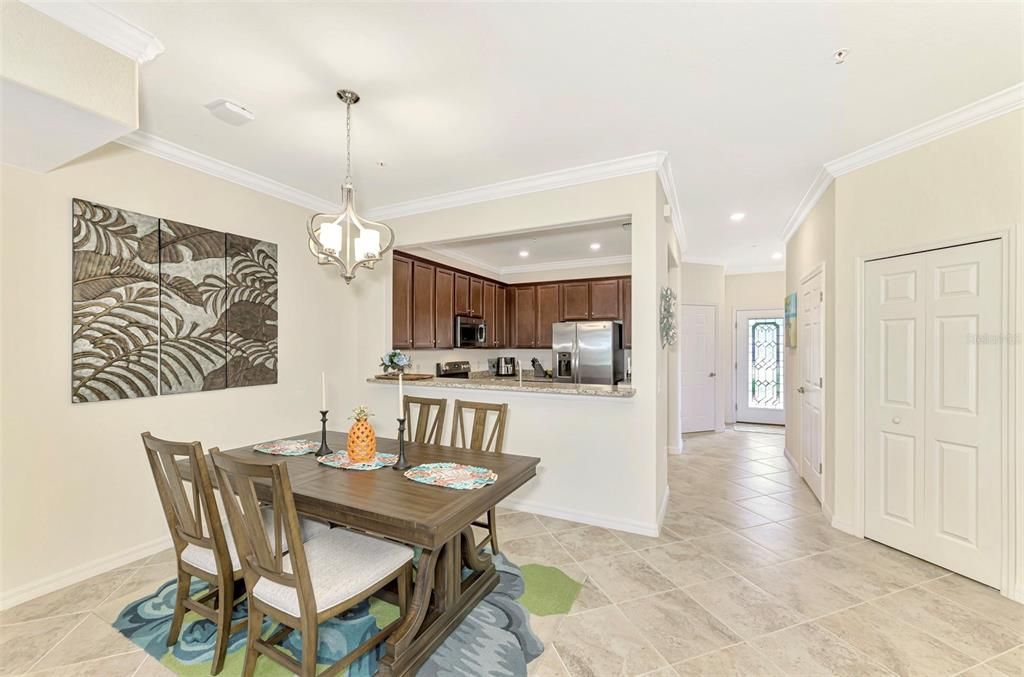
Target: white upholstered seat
<point>203,558</point>
<point>342,564</point>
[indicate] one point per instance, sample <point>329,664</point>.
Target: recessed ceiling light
<point>595,245</point>
<point>840,55</point>
<point>230,112</point>
<point>737,216</point>
<point>524,253</point>
<point>777,255</point>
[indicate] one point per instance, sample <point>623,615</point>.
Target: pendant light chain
<point>348,144</point>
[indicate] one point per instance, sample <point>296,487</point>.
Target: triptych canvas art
<point>162,307</point>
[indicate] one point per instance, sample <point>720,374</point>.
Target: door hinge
<point>819,468</point>
<point>736,406</point>
<point>821,382</point>
<point>821,296</point>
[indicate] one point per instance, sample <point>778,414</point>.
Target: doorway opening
<point>760,348</point>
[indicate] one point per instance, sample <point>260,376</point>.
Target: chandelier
<point>348,240</point>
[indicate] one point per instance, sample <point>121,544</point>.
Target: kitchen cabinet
<point>444,308</point>
<point>422,305</point>
<point>626,289</point>
<point>401,303</point>
<point>548,312</point>
<point>605,300</point>
<point>489,289</point>
<point>524,317</point>
<point>476,297</point>
<point>575,300</point>
<point>499,333</point>
<point>461,294</point>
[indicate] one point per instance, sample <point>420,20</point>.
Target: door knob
<point>801,390</point>
<point>896,420</point>
<point>711,375</point>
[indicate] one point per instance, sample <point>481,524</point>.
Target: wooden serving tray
<point>405,377</point>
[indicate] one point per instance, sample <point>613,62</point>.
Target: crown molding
<point>461,257</point>
<point>563,178</point>
<point>818,187</point>
<point>105,27</point>
<point>668,184</point>
<point>992,106</point>
<point>154,145</point>
<point>568,263</point>
<point>777,267</point>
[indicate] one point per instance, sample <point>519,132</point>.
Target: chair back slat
<point>197,521</point>
<point>428,421</point>
<point>263,556</point>
<point>478,437</point>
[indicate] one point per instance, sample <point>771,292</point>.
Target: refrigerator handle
<point>576,361</point>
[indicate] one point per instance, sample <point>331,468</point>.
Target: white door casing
<point>934,406</point>
<point>697,336</point>
<point>745,411</point>
<point>810,352</point>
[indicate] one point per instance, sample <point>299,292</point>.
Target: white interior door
<point>933,406</point>
<point>698,334</point>
<point>810,341</point>
<point>760,343</point>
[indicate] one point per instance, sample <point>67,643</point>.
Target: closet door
<point>934,365</point>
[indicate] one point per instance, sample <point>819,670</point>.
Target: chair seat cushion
<point>342,564</point>
<point>204,560</point>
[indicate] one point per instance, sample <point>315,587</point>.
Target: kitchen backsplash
<point>423,361</point>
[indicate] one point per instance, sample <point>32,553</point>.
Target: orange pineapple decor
<point>362,441</point>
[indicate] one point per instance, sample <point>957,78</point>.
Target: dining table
<point>437,519</point>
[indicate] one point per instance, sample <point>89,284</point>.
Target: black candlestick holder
<point>401,463</point>
<point>324,450</point>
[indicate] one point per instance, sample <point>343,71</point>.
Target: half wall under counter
<point>511,384</point>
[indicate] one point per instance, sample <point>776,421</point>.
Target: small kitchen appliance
<point>470,332</point>
<point>587,352</point>
<point>457,369</point>
<point>506,366</point>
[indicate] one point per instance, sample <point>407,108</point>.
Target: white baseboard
<point>24,593</point>
<point>632,526</point>
<point>843,526</point>
<point>674,450</point>
<point>792,461</point>
<point>663,509</point>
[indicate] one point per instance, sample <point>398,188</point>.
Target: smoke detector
<point>230,112</point>
<point>840,55</point>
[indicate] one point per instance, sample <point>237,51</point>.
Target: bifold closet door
<point>933,406</point>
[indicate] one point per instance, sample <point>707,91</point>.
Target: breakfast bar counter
<point>511,384</point>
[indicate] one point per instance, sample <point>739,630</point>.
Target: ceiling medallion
<point>348,240</point>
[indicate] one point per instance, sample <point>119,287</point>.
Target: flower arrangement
<point>396,360</point>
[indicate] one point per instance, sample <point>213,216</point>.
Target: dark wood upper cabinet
<point>524,317</point>
<point>461,294</point>
<point>401,303</point>
<point>575,300</point>
<point>487,305</point>
<point>444,308</point>
<point>605,300</point>
<point>476,297</point>
<point>422,305</point>
<point>498,332</point>
<point>627,312</point>
<point>548,312</point>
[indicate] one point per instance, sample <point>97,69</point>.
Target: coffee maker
<point>506,366</point>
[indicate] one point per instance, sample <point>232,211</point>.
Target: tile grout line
<point>85,617</point>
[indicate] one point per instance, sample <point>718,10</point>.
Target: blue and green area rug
<point>495,639</point>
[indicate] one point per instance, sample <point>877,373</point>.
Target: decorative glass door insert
<point>765,337</point>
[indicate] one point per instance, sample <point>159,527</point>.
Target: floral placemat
<point>287,447</point>
<point>341,460</point>
<point>452,475</point>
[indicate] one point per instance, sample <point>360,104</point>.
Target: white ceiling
<point>567,245</point>
<point>745,98</point>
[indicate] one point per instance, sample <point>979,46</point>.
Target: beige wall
<point>967,184</point>
<point>704,285</point>
<point>812,246</point>
<point>747,291</point>
<point>76,492</point>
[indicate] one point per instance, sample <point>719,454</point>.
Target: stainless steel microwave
<point>470,332</point>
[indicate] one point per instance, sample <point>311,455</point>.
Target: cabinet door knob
<point>801,390</point>
<point>897,420</point>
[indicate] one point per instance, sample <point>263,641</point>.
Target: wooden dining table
<point>437,519</point>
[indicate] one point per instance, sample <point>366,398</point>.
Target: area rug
<point>494,639</point>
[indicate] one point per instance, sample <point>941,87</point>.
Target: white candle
<point>401,398</point>
<point>323,391</point>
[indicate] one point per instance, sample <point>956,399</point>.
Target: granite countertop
<point>530,384</point>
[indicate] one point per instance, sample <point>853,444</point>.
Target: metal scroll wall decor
<point>667,318</point>
<point>162,307</point>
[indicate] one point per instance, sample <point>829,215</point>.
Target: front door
<point>933,407</point>
<point>760,340</point>
<point>697,356</point>
<point>810,343</point>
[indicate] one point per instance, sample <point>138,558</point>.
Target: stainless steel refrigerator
<point>587,352</point>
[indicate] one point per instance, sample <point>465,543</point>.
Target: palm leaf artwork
<point>162,307</point>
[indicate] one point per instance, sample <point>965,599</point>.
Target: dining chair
<point>203,546</point>
<point>297,583</point>
<point>429,421</point>
<point>478,439</point>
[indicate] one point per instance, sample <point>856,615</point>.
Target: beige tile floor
<point>746,578</point>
